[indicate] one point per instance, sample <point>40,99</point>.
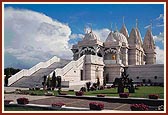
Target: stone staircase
<point>37,77</point>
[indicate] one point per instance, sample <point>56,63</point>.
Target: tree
<point>8,73</point>
<point>59,82</point>
<point>88,85</point>
<point>124,82</point>
<point>44,82</point>
<point>53,82</point>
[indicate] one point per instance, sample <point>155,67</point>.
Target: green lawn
<point>142,92</point>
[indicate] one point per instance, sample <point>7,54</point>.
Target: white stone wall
<point>146,72</point>
<point>113,71</point>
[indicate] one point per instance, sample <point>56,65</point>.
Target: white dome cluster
<point>116,37</point>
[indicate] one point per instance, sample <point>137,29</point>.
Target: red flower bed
<point>96,106</point>
<point>22,100</point>
<point>153,96</point>
<point>100,95</point>
<point>124,95</point>
<point>80,93</point>
<point>57,104</point>
<point>139,107</point>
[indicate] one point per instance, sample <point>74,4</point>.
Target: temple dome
<point>110,37</point>
<point>116,36</point>
<point>120,37</point>
<point>90,36</point>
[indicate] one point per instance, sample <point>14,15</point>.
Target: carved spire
<point>124,30</point>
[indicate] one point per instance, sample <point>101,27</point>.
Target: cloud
<point>75,36</point>
<point>33,37</point>
<point>159,25</point>
<point>159,38</point>
<point>159,55</point>
<point>147,26</point>
<point>161,17</point>
<point>102,33</point>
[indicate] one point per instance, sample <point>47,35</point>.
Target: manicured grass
<point>141,92</point>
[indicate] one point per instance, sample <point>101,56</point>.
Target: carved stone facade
<point>119,50</point>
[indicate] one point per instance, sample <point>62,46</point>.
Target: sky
<point>37,32</point>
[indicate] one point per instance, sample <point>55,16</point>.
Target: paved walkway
<point>70,102</point>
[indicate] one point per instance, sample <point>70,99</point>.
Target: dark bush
<point>80,93</point>
<point>92,88</point>
<point>83,89</point>
<point>124,95</point>
<point>101,88</point>
<point>88,85</point>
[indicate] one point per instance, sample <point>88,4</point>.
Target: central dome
<point>116,36</point>
<point>90,36</point>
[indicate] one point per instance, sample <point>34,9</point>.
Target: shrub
<point>83,89</point>
<point>23,100</point>
<point>88,85</point>
<point>153,96</point>
<point>96,106</point>
<point>139,107</point>
<point>80,93</point>
<point>101,88</point>
<point>124,95</point>
<point>108,87</point>
<point>92,88</point>
<point>100,95</point>
<point>57,104</point>
<point>37,88</point>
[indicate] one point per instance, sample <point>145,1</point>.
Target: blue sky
<point>75,17</point>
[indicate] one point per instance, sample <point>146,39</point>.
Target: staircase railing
<point>63,71</point>
<point>32,70</point>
